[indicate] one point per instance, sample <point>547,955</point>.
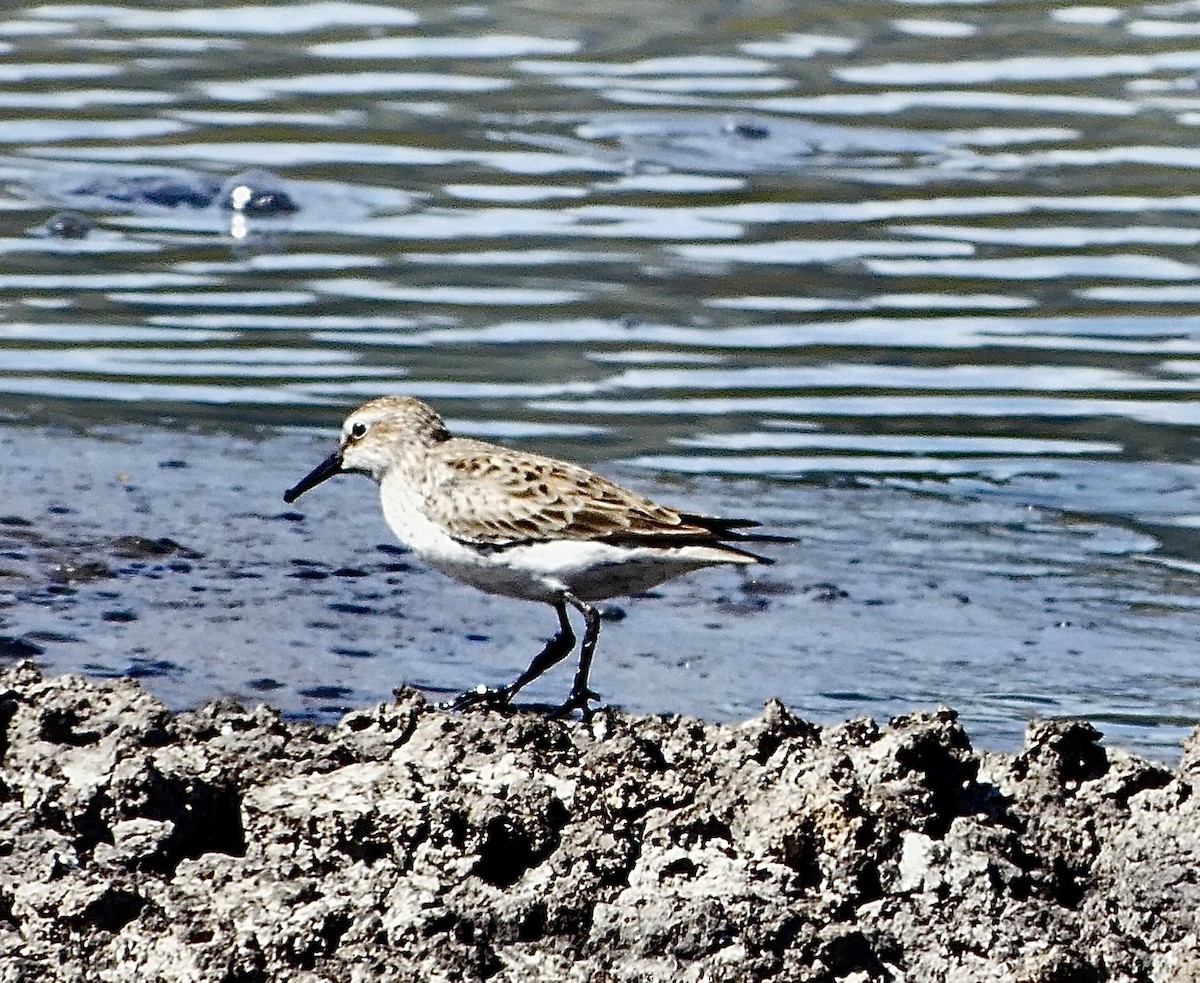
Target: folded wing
<point>504,500</point>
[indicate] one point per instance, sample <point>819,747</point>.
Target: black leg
<point>557,649</point>
<point>580,694</point>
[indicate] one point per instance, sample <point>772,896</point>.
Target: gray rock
<point>408,843</point>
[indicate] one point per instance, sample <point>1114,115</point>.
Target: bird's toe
<point>577,701</point>
<point>481,696</point>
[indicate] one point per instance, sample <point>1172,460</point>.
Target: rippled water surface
<point>913,282</point>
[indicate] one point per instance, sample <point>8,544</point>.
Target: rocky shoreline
<point>408,843</point>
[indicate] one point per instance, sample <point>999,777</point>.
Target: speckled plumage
<point>523,525</point>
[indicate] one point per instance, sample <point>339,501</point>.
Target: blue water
<point>912,283</point>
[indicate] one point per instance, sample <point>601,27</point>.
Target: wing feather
<point>490,496</point>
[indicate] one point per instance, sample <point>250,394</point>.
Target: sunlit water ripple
<point>914,283</point>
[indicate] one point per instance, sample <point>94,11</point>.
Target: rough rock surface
<point>408,843</point>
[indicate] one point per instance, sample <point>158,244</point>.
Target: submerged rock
<point>66,225</point>
<point>257,192</point>
<point>409,843</point>
<point>174,190</point>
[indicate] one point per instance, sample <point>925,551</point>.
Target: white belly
<point>430,542</point>
<point>596,571</point>
<point>542,571</point>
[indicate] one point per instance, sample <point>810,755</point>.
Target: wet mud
<point>409,843</point>
<point>170,556</point>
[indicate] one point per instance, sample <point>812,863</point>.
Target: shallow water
<point>915,283</point>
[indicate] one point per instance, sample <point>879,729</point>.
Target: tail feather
<point>719,534</point>
<point>731,529</point>
<point>715,522</point>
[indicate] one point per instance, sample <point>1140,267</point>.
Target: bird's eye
<point>358,430</point>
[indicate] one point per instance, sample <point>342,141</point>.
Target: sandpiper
<point>522,525</point>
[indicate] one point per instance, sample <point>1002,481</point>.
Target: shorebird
<point>524,526</point>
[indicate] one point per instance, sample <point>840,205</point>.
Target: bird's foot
<point>496,699</point>
<point>577,701</point>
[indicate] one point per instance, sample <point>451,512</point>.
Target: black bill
<point>326,469</point>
